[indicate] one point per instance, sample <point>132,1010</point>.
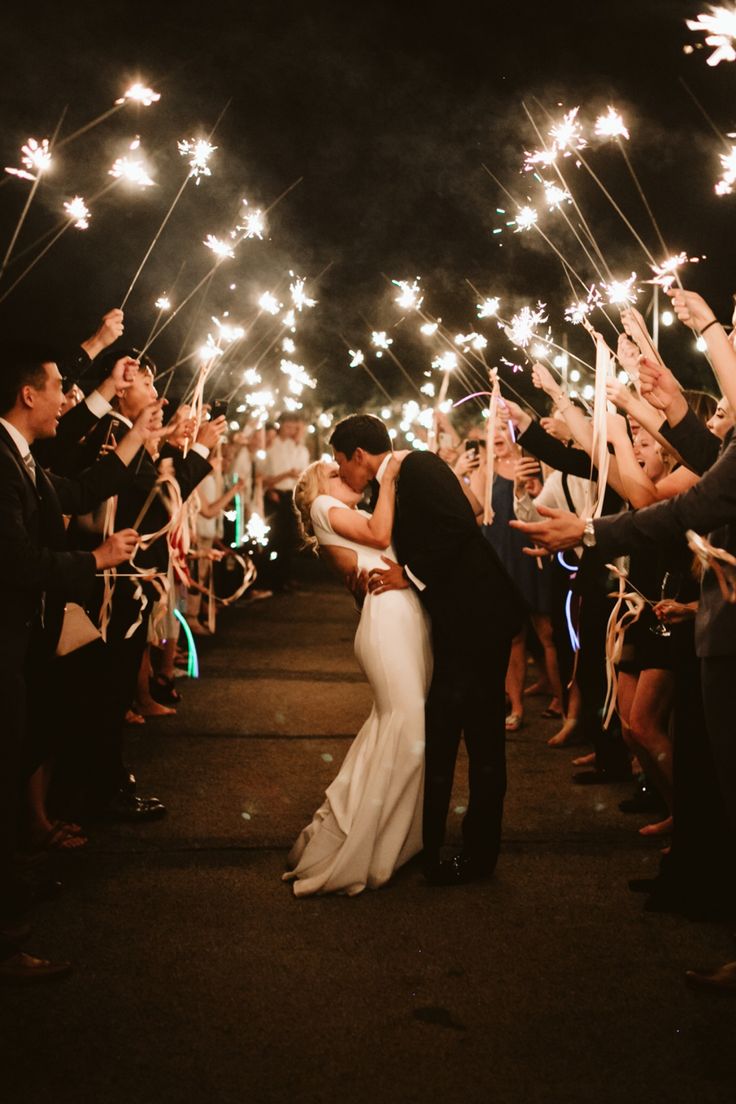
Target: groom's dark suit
<point>475,610</point>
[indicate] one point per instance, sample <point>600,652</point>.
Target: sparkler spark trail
<point>489,307</point>
<point>220,248</point>
<point>568,136</point>
<point>521,329</point>
<point>299,297</point>
<point>199,151</point>
<point>269,303</point>
<point>77,212</point>
<point>611,125</point>
<point>139,94</point>
<point>409,297</point>
<point>720,33</point>
<point>728,175</point>
<point>621,293</point>
<point>36,156</point>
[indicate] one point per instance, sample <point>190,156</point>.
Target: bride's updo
<point>313,481</point>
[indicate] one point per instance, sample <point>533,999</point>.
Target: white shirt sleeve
<point>203,451</point>
<point>320,511</point>
<point>412,577</point>
<point>97,404</point>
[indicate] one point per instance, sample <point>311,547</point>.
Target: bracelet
<point>713,323</point>
<point>563,403</point>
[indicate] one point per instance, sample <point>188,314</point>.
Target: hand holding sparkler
<point>118,548</point>
<point>557,428</point>
<point>691,309</point>
<point>618,394</point>
<point>120,378</point>
<point>543,379</point>
<point>627,354</point>
<point>511,412</point>
<point>181,428</point>
<point>635,326</point>
<point>110,329</point>
<point>617,428</point>
<point>672,612</point>
<point>661,390</point>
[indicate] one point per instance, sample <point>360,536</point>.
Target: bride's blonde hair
<point>312,482</point>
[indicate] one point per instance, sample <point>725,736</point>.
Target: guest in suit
<point>38,574</point>
<point>475,611</point>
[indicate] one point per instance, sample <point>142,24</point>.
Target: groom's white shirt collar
<point>379,476</point>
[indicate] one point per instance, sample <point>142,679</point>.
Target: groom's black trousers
<point>467,697</point>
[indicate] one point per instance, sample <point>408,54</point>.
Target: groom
<point>475,611</point>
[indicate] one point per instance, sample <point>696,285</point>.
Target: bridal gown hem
<point>370,822</point>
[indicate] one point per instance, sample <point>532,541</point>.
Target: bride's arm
<point>344,563</point>
<point>373,531</point>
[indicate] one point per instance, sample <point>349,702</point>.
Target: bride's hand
<point>397,458</point>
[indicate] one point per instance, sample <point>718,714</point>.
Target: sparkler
<point>254,225</point>
<point>269,303</point>
<point>132,169</point>
<point>288,346</point>
<point>163,303</point>
<point>299,297</point>
<point>554,195</point>
<point>220,248</point>
<point>381,341</point>
<point>429,329</point>
<point>357,357</point>
<point>199,151</point>
<point>409,297</point>
<point>137,94</point>
<point>36,156</point>
<point>521,329</point>
<point>665,274</point>
<point>525,219</point>
<point>621,293</point>
<point>611,125</point>
<point>489,307</point>
<point>567,136</point>
<point>728,175</point>
<point>720,31</point>
<point>78,212</point>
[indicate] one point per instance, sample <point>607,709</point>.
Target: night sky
<point>388,112</point>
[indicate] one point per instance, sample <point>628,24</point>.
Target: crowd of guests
<point>115,521</point>
<point>123,530</point>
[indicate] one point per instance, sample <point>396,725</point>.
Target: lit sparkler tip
<point>429,328</point>
<point>209,351</point>
<point>132,169</point>
<point>544,157</point>
<point>489,307</point>
<point>36,156</point>
<point>297,375</point>
<point>409,297</point>
<point>199,151</point>
<point>568,136</point>
<point>471,340</point>
<point>163,303</point>
<point>269,303</point>
<point>664,274</point>
<point>357,357</point>
<point>299,297</point>
<point>446,362</point>
<point>219,247</point>
<point>576,313</point>
<point>254,225</point>
<point>611,125</point>
<point>77,212</point>
<point>520,331</point>
<point>288,346</point>
<point>137,93</point>
<point>728,176</point>
<point>380,339</point>
<point>252,377</point>
<point>621,293</point>
<point>554,195</point>
<point>256,529</point>
<point>525,218</point>
<point>720,32</point>
<point>228,332</point>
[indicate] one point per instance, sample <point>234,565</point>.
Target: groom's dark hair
<point>364,431</point>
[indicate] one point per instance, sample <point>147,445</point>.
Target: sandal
<point>514,721</point>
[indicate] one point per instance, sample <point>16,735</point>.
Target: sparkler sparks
<point>568,136</point>
<point>255,223</point>
<point>520,331</point>
<point>209,351</point>
<point>611,125</point>
<point>299,297</point>
<point>298,376</point>
<point>472,340</point>
<point>199,151</point>
<point>137,93</point>
<point>269,303</point>
<point>163,303</point>
<point>410,297</point>
<point>489,307</point>
<point>77,212</point>
<point>554,195</point>
<point>576,313</point>
<point>541,157</point>
<point>132,169</point>
<point>720,33</point>
<point>664,274</point>
<point>728,176</point>
<point>228,332</point>
<point>288,346</point>
<point>446,362</point>
<point>429,329</point>
<point>380,340</point>
<point>220,248</point>
<point>525,219</point>
<point>251,377</point>
<point>357,357</point>
<point>36,156</point>
<point>257,530</point>
<point>621,293</point>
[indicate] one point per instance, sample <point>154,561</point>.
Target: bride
<point>370,822</point>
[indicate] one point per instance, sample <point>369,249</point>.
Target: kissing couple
<point>436,623</point>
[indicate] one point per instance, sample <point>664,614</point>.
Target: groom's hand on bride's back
<point>391,577</point>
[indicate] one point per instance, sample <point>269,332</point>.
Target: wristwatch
<point>589,534</point>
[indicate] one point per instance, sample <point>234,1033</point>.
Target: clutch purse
<point>76,631</point>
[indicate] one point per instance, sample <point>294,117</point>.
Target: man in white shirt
<point>286,459</point>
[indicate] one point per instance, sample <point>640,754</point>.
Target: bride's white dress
<point>371,819</point>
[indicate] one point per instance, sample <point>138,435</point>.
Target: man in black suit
<point>38,574</point>
<point>475,611</point>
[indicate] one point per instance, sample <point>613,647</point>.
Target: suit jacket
<point>467,590</point>
<point>38,572</point>
<point>695,443</point>
<point>64,453</point>
<point>708,507</point>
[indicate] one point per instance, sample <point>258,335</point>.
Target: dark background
<point>387,111</point>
